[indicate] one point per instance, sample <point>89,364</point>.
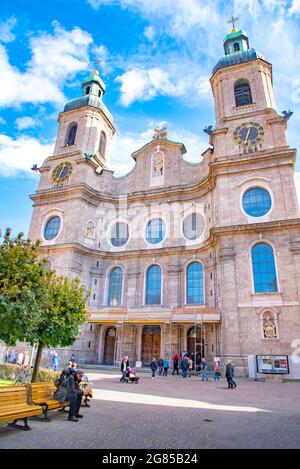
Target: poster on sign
<point>272,364</point>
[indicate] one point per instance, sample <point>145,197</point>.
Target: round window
<point>119,234</point>
<point>156,231</point>
<point>257,202</point>
<point>52,228</point>
<point>193,226</point>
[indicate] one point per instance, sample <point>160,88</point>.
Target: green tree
<point>21,273</point>
<point>62,311</point>
<point>36,305</point>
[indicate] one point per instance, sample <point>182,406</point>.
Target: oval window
<point>156,231</point>
<point>52,228</point>
<point>257,202</point>
<point>193,226</point>
<point>119,234</point>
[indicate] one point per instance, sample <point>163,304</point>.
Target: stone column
<point>230,331</point>
<point>174,284</point>
<point>184,331</point>
<point>102,330</point>
<point>139,335</point>
<point>133,275</point>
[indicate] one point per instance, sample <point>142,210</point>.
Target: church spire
<point>233,20</point>
<point>235,41</point>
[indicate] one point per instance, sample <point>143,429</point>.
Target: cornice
<point>215,235</point>
<point>199,189</point>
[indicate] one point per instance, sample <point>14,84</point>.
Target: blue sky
<point>156,60</point>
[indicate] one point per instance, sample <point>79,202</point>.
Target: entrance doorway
<point>109,346</point>
<point>150,343</point>
<point>195,344</point>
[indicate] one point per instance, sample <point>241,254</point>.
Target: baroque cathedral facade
<point>179,256</point>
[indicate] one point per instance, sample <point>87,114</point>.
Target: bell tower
<point>244,100</point>
<point>86,124</point>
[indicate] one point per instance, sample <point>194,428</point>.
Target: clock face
<point>249,133</point>
<point>61,172</point>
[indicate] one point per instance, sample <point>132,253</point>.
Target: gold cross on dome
<point>233,20</point>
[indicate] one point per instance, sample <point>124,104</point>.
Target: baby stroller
<point>131,376</point>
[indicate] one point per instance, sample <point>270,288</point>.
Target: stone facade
<point>232,320</point>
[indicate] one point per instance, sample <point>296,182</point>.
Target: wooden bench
<point>14,406</point>
<point>42,395</point>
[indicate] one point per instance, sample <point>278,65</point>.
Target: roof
<point>238,58</point>
<point>94,77</point>
<point>88,100</point>
<point>157,141</point>
<point>234,35</point>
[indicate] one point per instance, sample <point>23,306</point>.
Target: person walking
<point>190,363</point>
<point>160,366</point>
<point>217,371</point>
<point>11,357</point>
<point>184,366</point>
<point>54,361</point>
<point>203,372</point>
<point>124,366</point>
<point>229,373</point>
<point>166,367</point>
<point>72,359</point>
<point>175,360</point>
<point>153,366</point>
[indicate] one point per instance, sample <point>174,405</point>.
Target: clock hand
<point>62,168</point>
<point>248,133</point>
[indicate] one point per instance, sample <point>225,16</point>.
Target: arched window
<point>236,47</point>
<point>153,285</point>
<point>195,284</point>
<point>71,134</point>
<point>242,93</point>
<point>264,272</point>
<point>88,89</point>
<point>102,144</point>
<point>115,287</point>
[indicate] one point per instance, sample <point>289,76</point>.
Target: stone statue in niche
<point>158,164</point>
<point>90,230</point>
<point>269,328</point>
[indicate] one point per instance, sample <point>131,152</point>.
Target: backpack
<point>62,380</point>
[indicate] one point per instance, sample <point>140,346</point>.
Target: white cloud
<point>295,7</point>
<point>149,32</point>
<point>20,154</point>
<point>144,84</point>
<point>179,18</point>
<point>6,28</point>
<point>26,122</point>
<point>55,59</point>
<point>297,182</point>
<point>2,121</point>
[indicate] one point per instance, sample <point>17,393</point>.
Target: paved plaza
<point>170,413</point>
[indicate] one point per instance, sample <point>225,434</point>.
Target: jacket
<point>153,365</point>
<point>229,371</point>
<point>124,365</point>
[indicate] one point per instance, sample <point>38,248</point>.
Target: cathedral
<point>178,256</point>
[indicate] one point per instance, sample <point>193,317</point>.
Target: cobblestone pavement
<point>171,413</point>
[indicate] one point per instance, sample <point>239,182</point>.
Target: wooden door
<point>150,347</point>
<point>109,347</point>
